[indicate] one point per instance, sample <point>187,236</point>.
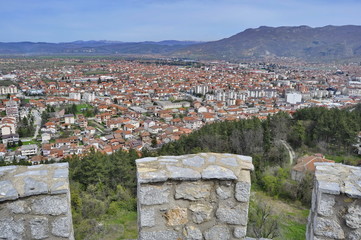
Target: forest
<point>103,186</point>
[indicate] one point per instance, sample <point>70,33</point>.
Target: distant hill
<point>322,43</point>
<point>92,47</point>
<point>303,42</point>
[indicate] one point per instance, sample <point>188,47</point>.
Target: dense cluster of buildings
<point>132,105</point>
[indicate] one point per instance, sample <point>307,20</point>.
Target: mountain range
<point>303,42</point>
<point>102,47</point>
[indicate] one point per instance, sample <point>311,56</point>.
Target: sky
<point>156,20</point>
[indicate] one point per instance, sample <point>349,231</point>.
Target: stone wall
<point>193,197</point>
<point>35,202</point>
<point>336,203</point>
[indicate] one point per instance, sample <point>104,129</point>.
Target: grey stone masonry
<point>193,197</point>
<point>336,203</point>
<point>35,202</point>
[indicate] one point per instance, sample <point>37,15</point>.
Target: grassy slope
<point>292,216</point>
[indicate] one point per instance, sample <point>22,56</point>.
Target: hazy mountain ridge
<point>93,47</point>
<point>329,42</point>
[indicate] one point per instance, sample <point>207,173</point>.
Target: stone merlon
<point>335,178</point>
<point>198,196</point>
<point>336,201</point>
<point>35,202</point>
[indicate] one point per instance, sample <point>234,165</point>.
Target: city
<point>108,104</point>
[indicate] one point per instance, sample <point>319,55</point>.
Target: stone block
<point>201,212</point>
<point>328,228</point>
<point>217,232</point>
<point>180,173</point>
<point>326,203</point>
<point>193,190</point>
<point>176,216</point>
<point>39,228</point>
<point>354,235</point>
<point>147,217</point>
<point>159,235</point>
<point>61,227</point>
<point>32,173</point>
<point>218,172</point>
<point>242,191</point>
<point>152,176</point>
<point>34,187</point>
<point>19,206</point>
<point>61,173</point>
<point>195,161</point>
<point>329,187</point>
<point>353,217</point>
<point>7,169</point>
<point>153,195</point>
<point>352,190</point>
<point>52,205</point>
<point>235,215</point>
<point>192,233</point>
<point>230,161</point>
<point>240,232</point>
<point>224,192</point>
<point>11,229</point>
<point>211,159</point>
<point>59,187</point>
<point>7,191</point>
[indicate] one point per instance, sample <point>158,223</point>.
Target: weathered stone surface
<point>61,173</point>
<point>61,227</point>
<point>329,187</point>
<point>193,190</point>
<point>33,173</point>
<point>34,187</point>
<point>240,232</point>
<point>11,230</point>
<point>147,217</point>
<point>249,238</point>
<point>352,189</point>
<point>230,161</point>
<point>326,204</point>
<point>353,217</point>
<point>52,205</point>
<point>328,228</point>
<point>59,187</point>
<point>201,212</point>
<point>159,235</point>
<point>39,228</point>
<point>176,216</point>
<point>217,232</point>
<point>192,233</point>
<point>153,195</point>
<point>155,176</point>
<point>235,215</point>
<point>224,192</point>
<point>243,190</point>
<point>147,159</point>
<point>354,235</point>
<point>212,159</point>
<point>6,169</point>
<point>218,172</point>
<point>7,191</point>
<point>179,173</point>
<point>195,161</point>
<point>19,206</point>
